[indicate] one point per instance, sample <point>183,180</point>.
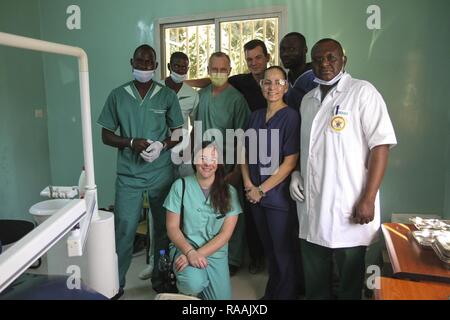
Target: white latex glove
<point>152,152</point>
<point>296,187</point>
<point>145,155</point>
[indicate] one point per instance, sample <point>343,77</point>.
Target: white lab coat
<point>336,138</point>
<point>188,99</point>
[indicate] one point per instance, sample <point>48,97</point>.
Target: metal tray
<point>426,237</point>
<point>433,224</point>
<point>440,255</point>
<point>443,242</point>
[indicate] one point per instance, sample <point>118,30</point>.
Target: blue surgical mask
<point>143,76</point>
<point>330,82</point>
<point>178,78</point>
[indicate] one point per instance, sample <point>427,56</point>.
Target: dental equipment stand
<point>95,236</point>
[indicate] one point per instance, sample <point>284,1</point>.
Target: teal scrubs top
<point>201,222</point>
<point>227,110</point>
<point>148,118</point>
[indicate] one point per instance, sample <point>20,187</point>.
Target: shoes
<point>119,294</point>
<point>256,266</point>
<point>139,245</point>
<point>165,288</point>
<point>159,288</point>
<point>147,272</point>
<point>233,269</point>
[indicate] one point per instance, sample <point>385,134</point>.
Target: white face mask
<point>332,81</point>
<point>143,76</point>
<point>178,78</point>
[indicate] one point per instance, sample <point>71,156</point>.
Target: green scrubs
<point>227,110</point>
<point>148,118</point>
<point>200,225</point>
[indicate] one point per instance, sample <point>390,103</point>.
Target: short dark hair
<point>337,43</point>
<point>298,35</point>
<point>252,44</point>
<point>278,68</point>
<point>144,47</point>
<point>178,55</point>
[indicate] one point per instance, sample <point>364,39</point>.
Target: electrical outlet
<point>38,113</point>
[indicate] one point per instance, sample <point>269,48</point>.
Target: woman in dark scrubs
<point>272,153</point>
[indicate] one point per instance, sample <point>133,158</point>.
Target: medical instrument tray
<point>440,255</point>
<point>433,224</point>
<point>426,237</point>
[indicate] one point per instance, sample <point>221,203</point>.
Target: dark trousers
<point>318,263</point>
<point>275,230</point>
<point>254,243</point>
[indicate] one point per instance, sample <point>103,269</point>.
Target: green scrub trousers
<point>128,208</point>
<point>211,283</point>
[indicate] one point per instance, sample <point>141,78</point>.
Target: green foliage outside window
<point>198,42</point>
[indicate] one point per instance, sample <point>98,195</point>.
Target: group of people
<point>303,193</point>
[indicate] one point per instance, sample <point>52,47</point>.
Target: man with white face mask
<point>188,97</point>
<point>146,113</point>
<point>222,107</point>
<point>345,138</point>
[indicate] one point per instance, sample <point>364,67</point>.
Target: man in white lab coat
<point>346,134</point>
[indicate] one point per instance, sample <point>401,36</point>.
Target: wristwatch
<point>261,191</point>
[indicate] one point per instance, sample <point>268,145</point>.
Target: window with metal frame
<point>199,39</point>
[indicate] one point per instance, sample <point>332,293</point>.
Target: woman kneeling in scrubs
<point>210,214</point>
<point>277,129</point>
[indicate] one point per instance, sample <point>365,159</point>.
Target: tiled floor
<point>245,286</point>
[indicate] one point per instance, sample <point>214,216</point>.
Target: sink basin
<point>44,209</point>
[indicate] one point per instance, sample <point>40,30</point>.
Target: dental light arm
<point>20,256</point>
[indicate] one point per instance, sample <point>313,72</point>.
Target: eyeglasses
<point>207,160</point>
<point>266,83</point>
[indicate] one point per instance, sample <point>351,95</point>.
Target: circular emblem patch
<point>338,123</point>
